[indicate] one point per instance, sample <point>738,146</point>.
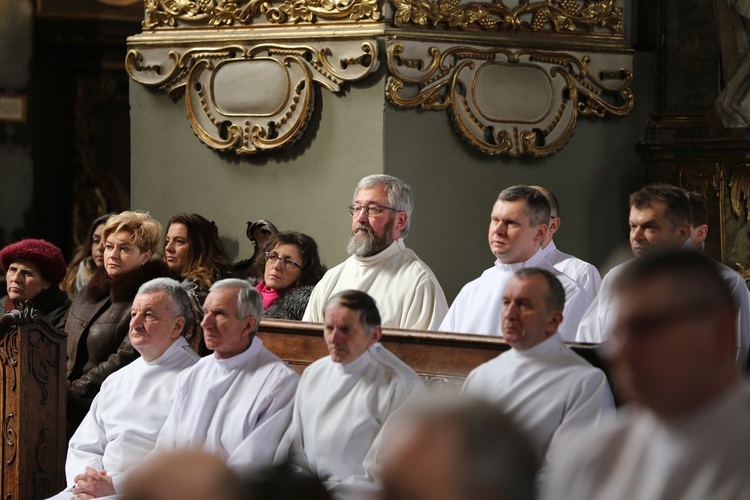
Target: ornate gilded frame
<point>514,75</point>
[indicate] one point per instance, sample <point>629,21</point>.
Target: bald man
<point>583,273</point>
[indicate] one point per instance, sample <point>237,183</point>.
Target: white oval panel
<point>505,92</point>
<point>257,87</point>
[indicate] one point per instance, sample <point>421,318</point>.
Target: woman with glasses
<point>292,268</point>
<point>196,257</point>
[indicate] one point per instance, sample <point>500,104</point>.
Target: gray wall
<point>308,187</point>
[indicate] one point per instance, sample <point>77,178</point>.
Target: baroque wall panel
<point>514,75</point>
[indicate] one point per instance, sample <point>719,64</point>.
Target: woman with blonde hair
<point>196,257</point>
<point>98,320</point>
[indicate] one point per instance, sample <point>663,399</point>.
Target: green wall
<point>308,186</point>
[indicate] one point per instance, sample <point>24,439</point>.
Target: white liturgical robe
<point>548,390</point>
<point>599,320</point>
<point>583,273</point>
<point>339,416</point>
<point>237,408</point>
<point>406,291</point>
<point>126,416</point>
<point>479,303</point>
<point>704,455</point>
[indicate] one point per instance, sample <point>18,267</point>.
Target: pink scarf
<point>269,295</point>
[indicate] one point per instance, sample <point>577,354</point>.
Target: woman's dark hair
<point>68,284</point>
<point>312,269</point>
<point>207,260</point>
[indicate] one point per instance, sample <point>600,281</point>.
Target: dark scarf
<point>45,301</point>
<point>124,287</point>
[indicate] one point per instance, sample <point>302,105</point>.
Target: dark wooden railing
<point>32,374</point>
<point>439,358</point>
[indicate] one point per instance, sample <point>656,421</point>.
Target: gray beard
<point>367,245</point>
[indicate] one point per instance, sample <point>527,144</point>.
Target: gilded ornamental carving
<point>514,75</point>
<point>250,97</point>
<point>562,16</point>
<point>506,101</point>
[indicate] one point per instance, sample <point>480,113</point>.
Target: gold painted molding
<point>251,97</point>
<point>508,101</point>
<point>562,16</point>
<point>175,13</point>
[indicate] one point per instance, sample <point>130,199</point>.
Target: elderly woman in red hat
<point>33,272</point>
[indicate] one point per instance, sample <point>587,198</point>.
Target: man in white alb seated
<point>546,388</point>
<point>583,273</point>
<point>345,400</point>
<point>126,416</point>
<point>518,225</point>
<point>406,290</point>
<point>236,403</point>
<point>685,433</point>
<point>661,219</point>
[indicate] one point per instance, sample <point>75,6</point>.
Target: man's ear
<point>252,322</point>
<point>554,225</point>
<point>685,231</point>
<point>541,232</point>
<point>376,335</point>
<point>556,317</point>
<point>179,325</point>
<point>400,223</point>
<point>700,234</point>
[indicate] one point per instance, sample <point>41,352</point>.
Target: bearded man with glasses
<point>407,292</point>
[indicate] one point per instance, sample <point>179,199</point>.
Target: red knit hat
<point>45,255</point>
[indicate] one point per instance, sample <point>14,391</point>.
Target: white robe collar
<point>170,353</point>
<point>231,364</point>
<point>394,248</point>
<point>542,349</point>
<point>533,261</point>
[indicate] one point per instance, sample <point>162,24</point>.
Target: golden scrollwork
<point>562,16</point>
<point>504,101</point>
<point>226,12</point>
<point>252,97</point>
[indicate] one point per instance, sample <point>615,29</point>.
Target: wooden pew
<point>32,388</point>
<point>440,358</point>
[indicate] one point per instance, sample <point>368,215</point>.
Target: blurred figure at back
<point>457,449</point>
<point>672,349</point>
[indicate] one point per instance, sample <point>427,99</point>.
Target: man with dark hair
<point>672,352</point>
<point>345,400</point>
<point>457,448</point>
<point>660,220</point>
<point>518,225</point>
<point>127,415</point>
<point>698,220</point>
<point>380,264</point>
<point>546,388</point>
<point>583,273</point>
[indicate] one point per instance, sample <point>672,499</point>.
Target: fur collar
<point>124,287</point>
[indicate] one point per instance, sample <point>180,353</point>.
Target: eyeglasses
<point>370,210</point>
<point>285,261</point>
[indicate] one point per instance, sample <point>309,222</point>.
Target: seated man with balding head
<point>546,388</point>
<point>127,415</point>
<point>345,400</point>
<point>685,433</point>
<point>580,271</point>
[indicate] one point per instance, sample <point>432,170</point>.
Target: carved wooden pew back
<point>32,385</point>
<point>440,358</point>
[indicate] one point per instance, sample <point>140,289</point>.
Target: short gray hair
<point>399,194</point>
<point>179,302</point>
<point>555,291</point>
<point>249,301</point>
